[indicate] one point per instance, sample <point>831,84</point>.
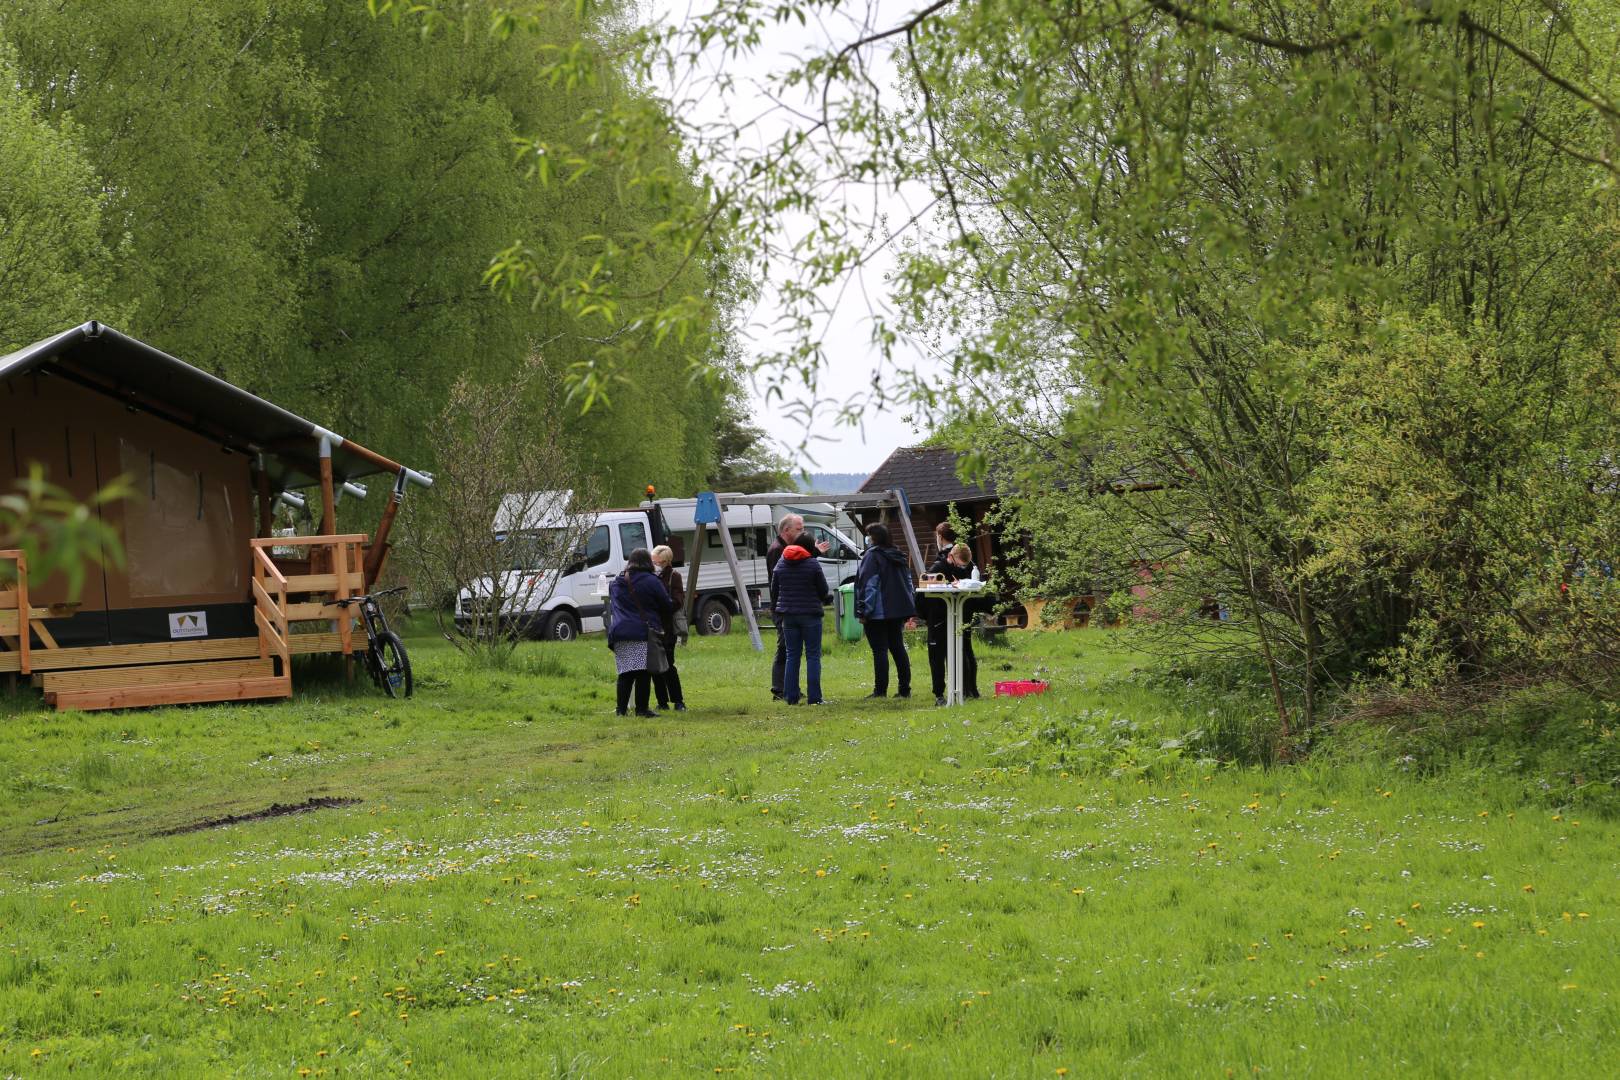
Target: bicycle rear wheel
<point>390,665</point>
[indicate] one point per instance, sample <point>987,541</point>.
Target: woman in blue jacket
<point>799,599</point>
<point>885,598</point>
<point>640,608</point>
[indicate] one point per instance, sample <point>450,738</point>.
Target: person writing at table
<point>954,564</point>
<point>885,598</point>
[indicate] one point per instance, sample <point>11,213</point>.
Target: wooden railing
<point>270,609</point>
<point>14,609</point>
<point>334,569</point>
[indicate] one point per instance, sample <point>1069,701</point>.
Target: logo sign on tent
<point>188,624</point>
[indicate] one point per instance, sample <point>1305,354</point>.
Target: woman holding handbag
<point>640,608</point>
<point>668,685</point>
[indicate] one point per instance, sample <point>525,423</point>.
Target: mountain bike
<point>390,667</point>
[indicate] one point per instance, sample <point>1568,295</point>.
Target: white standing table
<point>953,596</point>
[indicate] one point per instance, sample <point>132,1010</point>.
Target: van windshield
<point>546,549</point>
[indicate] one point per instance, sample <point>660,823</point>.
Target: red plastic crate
<point>1021,687</point>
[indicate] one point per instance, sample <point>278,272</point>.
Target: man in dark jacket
<point>799,596</point>
<point>885,598</point>
<point>788,532</point>
<point>955,564</point>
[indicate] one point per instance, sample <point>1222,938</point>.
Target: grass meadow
<point>528,885</point>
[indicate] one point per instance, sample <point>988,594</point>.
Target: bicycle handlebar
<point>369,596</point>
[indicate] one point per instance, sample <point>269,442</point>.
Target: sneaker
<point>680,706</point>
<point>823,701</point>
<point>663,706</point>
<point>904,695</point>
<point>621,712</point>
<point>875,694</point>
<point>776,695</point>
<point>939,699</point>
<point>647,713</point>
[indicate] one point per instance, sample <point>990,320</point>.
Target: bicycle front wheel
<point>390,664</point>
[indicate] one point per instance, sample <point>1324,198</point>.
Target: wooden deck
<point>207,669</point>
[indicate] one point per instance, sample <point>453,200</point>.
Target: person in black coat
<point>799,599</point>
<point>789,530</point>
<point>667,686</point>
<point>640,607</point>
<point>955,564</point>
<point>885,598</point>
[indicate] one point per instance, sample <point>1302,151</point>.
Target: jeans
<point>668,685</point>
<point>803,636</point>
<point>936,660</point>
<point>641,682</point>
<point>887,638</point>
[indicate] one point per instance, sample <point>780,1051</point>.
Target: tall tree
<point>52,259</point>
<point>198,118</point>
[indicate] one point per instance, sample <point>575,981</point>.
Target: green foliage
<point>306,199</point>
<point>52,261</point>
<point>744,460</point>
<point>55,532</point>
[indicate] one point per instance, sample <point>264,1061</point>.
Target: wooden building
<point>927,475</point>
<point>205,605</point>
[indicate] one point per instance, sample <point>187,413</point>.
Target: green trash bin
<point>849,627</point>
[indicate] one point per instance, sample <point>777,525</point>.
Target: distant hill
<point>837,483</point>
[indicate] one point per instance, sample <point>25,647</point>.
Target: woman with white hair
<point>667,685</point>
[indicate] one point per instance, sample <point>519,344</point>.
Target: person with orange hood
<point>799,599</point>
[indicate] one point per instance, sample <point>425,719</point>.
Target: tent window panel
<point>181,540</point>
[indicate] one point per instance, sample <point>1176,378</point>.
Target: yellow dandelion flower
<point>1478,925</point>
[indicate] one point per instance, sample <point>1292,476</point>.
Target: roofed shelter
<point>202,604</point>
<point>928,476</point>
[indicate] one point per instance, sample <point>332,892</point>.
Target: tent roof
<point>146,378</point>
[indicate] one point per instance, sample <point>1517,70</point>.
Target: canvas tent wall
<point>199,454</point>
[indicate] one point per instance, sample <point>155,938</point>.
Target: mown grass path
<point>532,886</point>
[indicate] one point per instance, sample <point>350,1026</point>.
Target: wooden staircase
<point>165,684</point>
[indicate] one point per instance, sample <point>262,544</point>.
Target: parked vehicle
<point>576,603</point>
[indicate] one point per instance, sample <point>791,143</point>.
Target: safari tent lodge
<point>206,605</point>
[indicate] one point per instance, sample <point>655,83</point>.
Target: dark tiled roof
<point>928,475</point>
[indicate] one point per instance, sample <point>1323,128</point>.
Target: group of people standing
<point>647,598</point>
<point>885,602</point>
<point>646,601</point>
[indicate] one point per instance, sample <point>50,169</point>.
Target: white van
<point>577,603</point>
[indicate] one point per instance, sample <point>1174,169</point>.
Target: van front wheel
<point>714,617</point>
<point>562,626</point>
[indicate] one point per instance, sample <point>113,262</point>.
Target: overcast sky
<point>850,355</point>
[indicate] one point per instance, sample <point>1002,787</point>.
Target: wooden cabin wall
<point>186,524</point>
<point>40,425</point>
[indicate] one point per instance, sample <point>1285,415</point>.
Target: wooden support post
<point>24,626</point>
<point>267,503</point>
<point>379,541</point>
<point>328,496</point>
<point>917,566</point>
<point>743,602</point>
<point>698,543</point>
